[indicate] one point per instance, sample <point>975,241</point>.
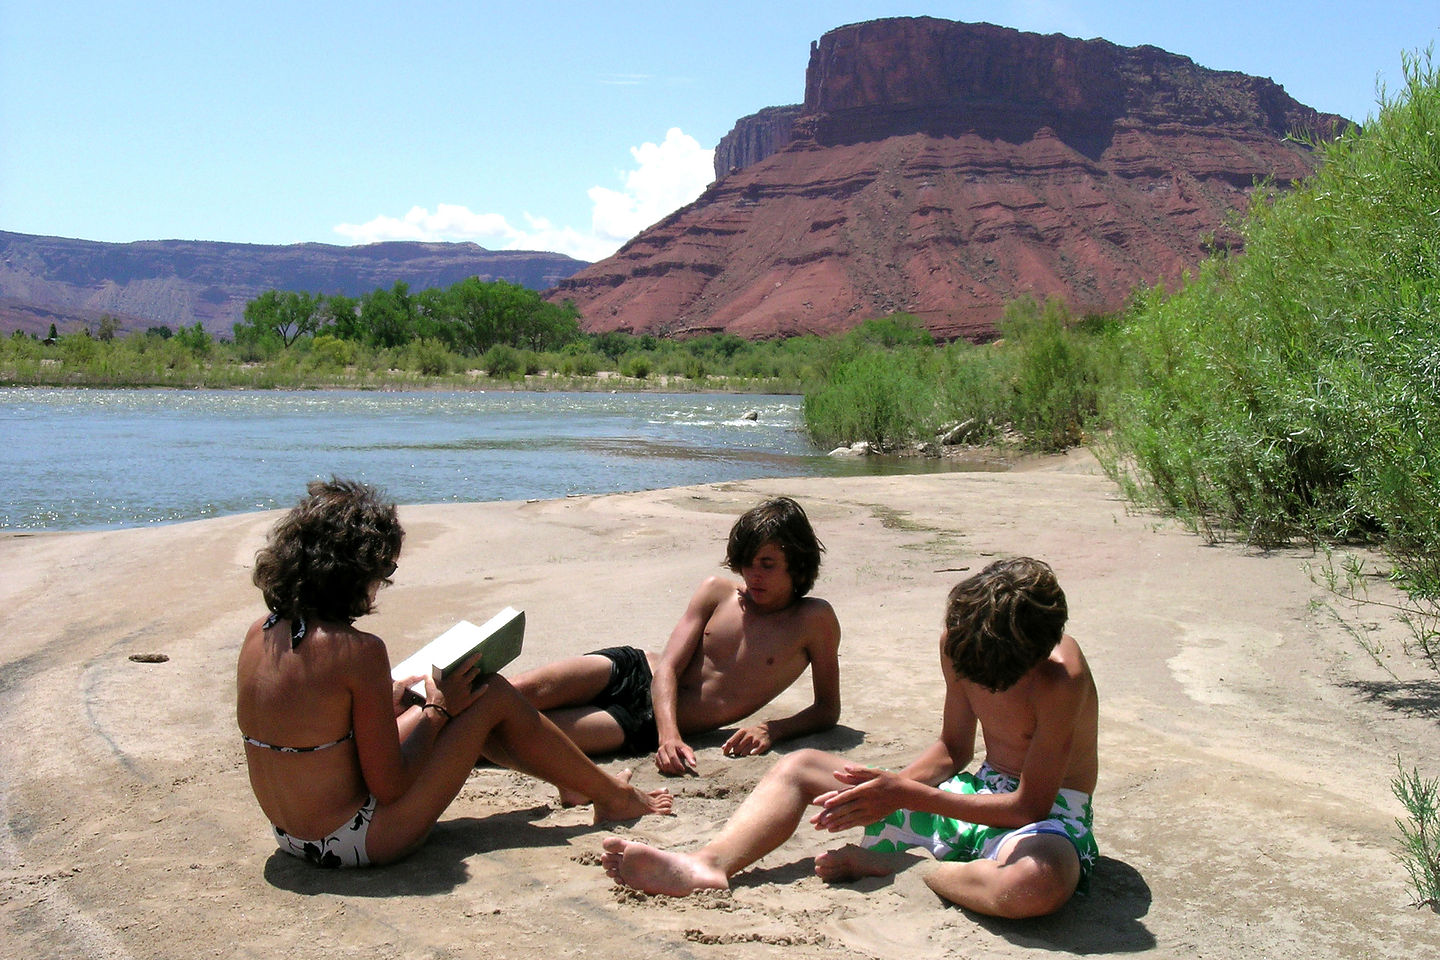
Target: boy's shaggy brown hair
<point>323,555</point>
<point>780,521</point>
<point>1004,620</point>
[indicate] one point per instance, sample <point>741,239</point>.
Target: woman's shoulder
<point>342,635</point>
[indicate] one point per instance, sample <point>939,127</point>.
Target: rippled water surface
<point>84,459</point>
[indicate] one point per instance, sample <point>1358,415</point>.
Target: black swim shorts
<point>627,697</point>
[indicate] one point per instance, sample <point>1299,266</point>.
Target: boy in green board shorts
<point>1012,839</point>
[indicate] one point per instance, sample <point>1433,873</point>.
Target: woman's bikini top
<point>297,633</point>
<point>324,746</point>
<point>297,629</point>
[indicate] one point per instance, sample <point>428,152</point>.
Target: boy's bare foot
<point>852,862</point>
<point>652,870</point>
<point>633,803</point>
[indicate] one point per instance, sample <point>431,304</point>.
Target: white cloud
<point>666,176</point>
<point>449,222</point>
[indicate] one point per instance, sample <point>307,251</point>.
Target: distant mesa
<point>935,167</point>
<point>178,283</point>
<point>945,169</point>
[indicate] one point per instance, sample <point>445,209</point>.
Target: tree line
<point>468,318</point>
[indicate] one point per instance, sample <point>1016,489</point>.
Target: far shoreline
<point>469,381</point>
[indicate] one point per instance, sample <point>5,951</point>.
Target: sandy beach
<point>1247,740</point>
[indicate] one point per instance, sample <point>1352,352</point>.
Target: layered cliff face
<point>177,283</point>
<point>754,138</point>
<point>946,169</point>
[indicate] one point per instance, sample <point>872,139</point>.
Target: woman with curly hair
<point>347,773</point>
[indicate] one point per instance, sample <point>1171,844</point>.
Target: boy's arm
<point>674,755</point>
<point>875,794</point>
<point>823,649</point>
<point>1057,706</point>
<point>955,747</point>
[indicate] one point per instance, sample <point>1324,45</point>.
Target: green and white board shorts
<point>957,840</point>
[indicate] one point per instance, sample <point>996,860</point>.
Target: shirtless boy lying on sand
<point>737,646</point>
<point>1014,838</point>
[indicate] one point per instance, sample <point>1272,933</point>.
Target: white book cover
<point>500,639</point>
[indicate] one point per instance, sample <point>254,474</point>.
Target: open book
<point>498,640</point>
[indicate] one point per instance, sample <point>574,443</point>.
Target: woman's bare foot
<point>652,870</point>
<point>633,802</point>
<point>572,798</point>
<point>852,862</point>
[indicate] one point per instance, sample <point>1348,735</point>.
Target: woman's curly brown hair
<point>1004,620</point>
<point>781,521</point>
<point>322,557</point>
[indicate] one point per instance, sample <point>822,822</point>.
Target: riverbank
<point>259,376</point>
<point>1246,744</point>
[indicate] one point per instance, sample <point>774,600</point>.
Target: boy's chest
<point>734,636</point>
<point>1009,714</point>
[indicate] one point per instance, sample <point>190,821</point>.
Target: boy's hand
<point>674,758</point>
<point>748,741</point>
<point>871,795</point>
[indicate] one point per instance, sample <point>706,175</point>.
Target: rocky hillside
<point>947,168</point>
<point>180,282</point>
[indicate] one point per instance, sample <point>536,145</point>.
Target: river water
<point>92,459</point>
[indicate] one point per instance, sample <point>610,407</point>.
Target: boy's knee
<point>1043,890</point>
<point>799,760</point>
<point>1040,876</point>
<point>1022,885</point>
<point>813,768</point>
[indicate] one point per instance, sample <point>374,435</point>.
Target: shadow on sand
<point>1413,698</point>
<point>1108,919</point>
<point>439,866</point>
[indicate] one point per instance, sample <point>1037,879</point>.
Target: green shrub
<point>328,352</point>
<point>880,396</point>
<point>637,364</point>
<point>1054,374</point>
<point>18,348</point>
<point>426,356</point>
<point>1289,391</point>
<point>502,361</point>
<point>584,364</point>
<point>1419,834</point>
<point>895,330</point>
<point>78,349</point>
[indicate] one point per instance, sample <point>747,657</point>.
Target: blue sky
<point>564,126</point>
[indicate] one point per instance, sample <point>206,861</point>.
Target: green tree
<point>475,315</point>
<point>388,316</point>
<point>340,317</point>
<point>288,315</point>
<point>195,339</point>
